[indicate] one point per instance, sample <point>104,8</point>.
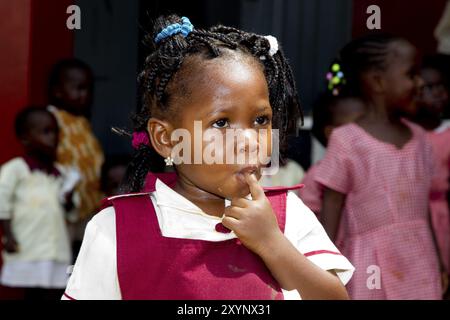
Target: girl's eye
<point>220,124</point>
<point>262,121</point>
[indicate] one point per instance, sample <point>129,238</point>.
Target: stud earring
<point>168,161</point>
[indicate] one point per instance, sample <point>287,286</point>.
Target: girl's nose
<point>419,82</point>
<point>247,141</point>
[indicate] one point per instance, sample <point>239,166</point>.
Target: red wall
<point>50,42</point>
<point>412,19</point>
<point>33,36</point>
<point>15,33</point>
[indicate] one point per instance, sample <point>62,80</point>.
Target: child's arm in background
<point>68,202</point>
<point>10,174</point>
<point>9,241</point>
<point>443,271</point>
<point>330,216</point>
<point>256,226</point>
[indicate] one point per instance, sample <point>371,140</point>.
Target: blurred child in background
<point>113,172</point>
<point>70,95</point>
<point>377,176</point>
<point>329,113</point>
<point>433,101</point>
<point>35,198</point>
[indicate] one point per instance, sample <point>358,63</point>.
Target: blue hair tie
<point>175,28</point>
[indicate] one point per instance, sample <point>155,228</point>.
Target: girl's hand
<point>253,221</point>
<point>68,202</point>
<point>255,224</point>
<point>10,244</point>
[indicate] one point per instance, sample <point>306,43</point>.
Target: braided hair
<point>357,57</point>
<point>165,60</point>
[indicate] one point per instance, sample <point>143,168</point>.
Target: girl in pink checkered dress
<point>433,100</point>
<point>377,175</point>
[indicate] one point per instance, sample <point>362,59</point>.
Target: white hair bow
<point>273,46</point>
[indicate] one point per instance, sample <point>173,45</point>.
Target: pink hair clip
<point>140,138</point>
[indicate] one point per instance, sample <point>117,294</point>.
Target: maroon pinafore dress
<point>154,267</point>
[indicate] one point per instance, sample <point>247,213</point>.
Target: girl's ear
<point>25,140</point>
<point>160,132</point>
<point>375,81</point>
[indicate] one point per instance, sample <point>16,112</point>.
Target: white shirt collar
<point>180,218</point>
<point>167,197</point>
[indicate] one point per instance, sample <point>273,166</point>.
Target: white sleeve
<point>10,174</point>
<point>94,275</point>
<point>307,234</point>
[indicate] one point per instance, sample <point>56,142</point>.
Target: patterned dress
<point>384,230</point>
<point>79,148</point>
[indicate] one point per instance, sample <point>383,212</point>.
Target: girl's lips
<point>246,170</point>
<point>249,170</point>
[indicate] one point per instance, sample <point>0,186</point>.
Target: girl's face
<point>75,91</point>
<point>434,93</point>
<point>401,79</point>
<point>227,95</point>
<point>41,139</point>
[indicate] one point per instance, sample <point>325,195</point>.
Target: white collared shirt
<point>95,272</point>
<point>30,199</point>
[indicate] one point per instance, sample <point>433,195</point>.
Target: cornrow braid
<point>360,55</point>
<point>167,57</point>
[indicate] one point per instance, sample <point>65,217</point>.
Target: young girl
<point>329,113</point>
<point>198,234</point>
<point>70,90</point>
<point>432,104</point>
<point>35,200</point>
<point>377,175</point>
<point>113,172</point>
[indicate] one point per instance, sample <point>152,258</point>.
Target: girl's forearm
<point>6,227</point>
<point>10,244</point>
<point>293,270</point>
<point>330,216</point>
<point>435,243</point>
